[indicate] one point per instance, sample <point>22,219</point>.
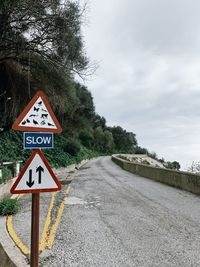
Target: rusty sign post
<point>35,215</point>
<point>36,176</point>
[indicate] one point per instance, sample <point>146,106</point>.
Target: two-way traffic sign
<point>36,176</point>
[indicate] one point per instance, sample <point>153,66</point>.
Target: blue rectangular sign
<point>38,140</point>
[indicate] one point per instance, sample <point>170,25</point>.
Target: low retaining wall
<point>183,180</point>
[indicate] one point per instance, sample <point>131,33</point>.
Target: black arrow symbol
<point>39,170</point>
<point>30,183</point>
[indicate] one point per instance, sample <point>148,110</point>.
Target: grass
<point>6,174</point>
<point>8,206</point>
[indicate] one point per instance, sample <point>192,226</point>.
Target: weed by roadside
<point>6,174</point>
<point>8,206</point>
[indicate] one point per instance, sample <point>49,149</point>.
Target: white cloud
<point>149,75</point>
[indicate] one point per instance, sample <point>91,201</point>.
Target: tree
<point>41,47</point>
<point>195,167</point>
<point>141,150</point>
<point>86,137</point>
<point>174,165</point>
<point>124,141</point>
<point>99,121</point>
<point>49,29</point>
<point>103,140</point>
<point>99,139</point>
<point>86,107</point>
<point>153,155</point>
<point>108,141</point>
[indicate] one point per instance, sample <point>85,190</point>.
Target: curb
<point>10,255</point>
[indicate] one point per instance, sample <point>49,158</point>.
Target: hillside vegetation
<point>41,48</point>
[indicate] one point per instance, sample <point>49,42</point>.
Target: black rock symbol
<point>40,103</point>
<point>49,124</point>
<point>24,122</point>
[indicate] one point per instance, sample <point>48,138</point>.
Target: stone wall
<point>183,180</point>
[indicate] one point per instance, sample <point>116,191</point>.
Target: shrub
<point>72,147</point>
<point>86,138</point>
<point>172,165</point>
<point>6,173</point>
<point>8,206</point>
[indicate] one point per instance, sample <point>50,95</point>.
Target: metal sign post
<point>35,215</point>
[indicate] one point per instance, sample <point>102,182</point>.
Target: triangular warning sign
<point>36,176</point>
<point>37,116</point>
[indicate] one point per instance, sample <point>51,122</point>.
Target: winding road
<point>115,218</point>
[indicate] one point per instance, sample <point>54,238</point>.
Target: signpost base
<point>35,214</point>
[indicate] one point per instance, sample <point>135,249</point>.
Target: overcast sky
<point>148,80</point>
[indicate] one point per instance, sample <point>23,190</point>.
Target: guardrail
<point>184,180</point>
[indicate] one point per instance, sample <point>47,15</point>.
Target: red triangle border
<point>36,151</point>
<point>17,127</point>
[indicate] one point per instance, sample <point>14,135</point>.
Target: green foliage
<point>162,160</point>
<point>6,174</point>
<point>174,165</point>
<point>103,140</point>
<point>86,137</point>
<point>124,141</point>
<point>58,158</point>
<point>141,150</point>
<point>99,139</point>
<point>153,155</point>
<point>108,141</point>
<point>55,32</point>
<point>8,206</point>
<point>86,153</point>
<point>86,107</point>
<point>72,147</point>
<point>11,147</point>
<point>54,49</point>
<point>99,121</point>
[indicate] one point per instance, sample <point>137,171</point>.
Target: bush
<point>72,147</point>
<point>8,206</point>
<point>86,138</point>
<point>172,165</point>
<point>6,174</point>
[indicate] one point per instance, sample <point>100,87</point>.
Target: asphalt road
<point>115,218</point>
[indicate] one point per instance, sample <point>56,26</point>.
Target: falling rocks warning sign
<point>36,176</point>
